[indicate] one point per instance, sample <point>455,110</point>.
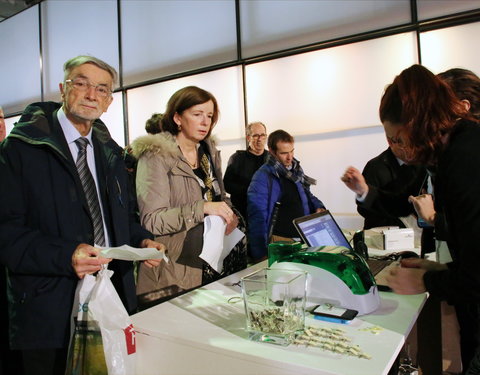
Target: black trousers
<point>468,316</point>
<point>44,361</point>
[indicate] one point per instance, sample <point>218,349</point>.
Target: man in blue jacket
<point>51,215</point>
<point>280,179</point>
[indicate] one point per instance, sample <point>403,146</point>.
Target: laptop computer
<point>321,229</point>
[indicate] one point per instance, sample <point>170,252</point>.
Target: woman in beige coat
<point>179,182</point>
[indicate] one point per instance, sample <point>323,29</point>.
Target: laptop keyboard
<point>376,265</point>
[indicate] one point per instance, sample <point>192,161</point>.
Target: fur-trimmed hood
<point>163,143</point>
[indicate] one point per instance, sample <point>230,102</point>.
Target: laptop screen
<point>320,229</point>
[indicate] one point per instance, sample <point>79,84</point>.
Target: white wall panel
<point>331,89</point>
<point>224,84</point>
<point>453,47</point>
<point>160,38</point>
<point>20,61</point>
<point>9,122</point>
<point>325,158</point>
<point>76,27</point>
<point>271,25</point>
<point>113,118</point>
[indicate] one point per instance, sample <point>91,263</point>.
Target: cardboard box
<point>399,239</point>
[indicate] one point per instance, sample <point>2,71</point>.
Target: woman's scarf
<point>208,182</point>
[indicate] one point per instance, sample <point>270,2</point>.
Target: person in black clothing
<point>435,129</point>
<point>386,171</point>
<point>243,164</point>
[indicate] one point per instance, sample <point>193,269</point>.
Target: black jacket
<point>44,216</point>
<point>457,198</point>
<point>241,167</point>
<point>383,173</point>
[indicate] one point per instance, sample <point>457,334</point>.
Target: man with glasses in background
<point>65,193</point>
<point>243,164</point>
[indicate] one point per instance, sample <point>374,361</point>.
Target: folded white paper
<point>126,252</point>
<point>216,245</point>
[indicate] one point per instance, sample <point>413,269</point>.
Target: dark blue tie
<point>90,190</point>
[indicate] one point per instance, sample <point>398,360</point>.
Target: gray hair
<point>84,59</point>
<point>249,127</point>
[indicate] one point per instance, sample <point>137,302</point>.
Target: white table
<point>202,333</point>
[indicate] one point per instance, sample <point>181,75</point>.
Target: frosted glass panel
<point>436,8</point>
<point>224,84</point>
<point>268,25</point>
<point>113,118</point>
<point>20,61</point>
<point>325,158</point>
<point>160,38</point>
<point>76,27</point>
<point>327,90</point>
<point>451,48</point>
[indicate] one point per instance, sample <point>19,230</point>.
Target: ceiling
<point>9,8</point>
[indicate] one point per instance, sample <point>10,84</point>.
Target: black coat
<point>457,198</point>
<point>44,216</point>
<point>389,187</point>
<point>242,165</point>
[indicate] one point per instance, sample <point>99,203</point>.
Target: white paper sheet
<point>126,252</point>
<point>216,245</point>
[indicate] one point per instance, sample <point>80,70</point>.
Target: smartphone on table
<point>335,314</point>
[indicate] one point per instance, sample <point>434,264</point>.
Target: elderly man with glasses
<point>65,193</point>
<point>243,164</point>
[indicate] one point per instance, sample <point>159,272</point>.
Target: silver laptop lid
<point>320,229</point>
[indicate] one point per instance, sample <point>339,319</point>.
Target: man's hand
<point>355,181</point>
<point>147,243</point>
<point>85,260</point>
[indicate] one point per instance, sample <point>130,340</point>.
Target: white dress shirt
<point>71,135</point>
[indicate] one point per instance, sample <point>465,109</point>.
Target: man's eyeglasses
<point>259,136</point>
<point>83,85</point>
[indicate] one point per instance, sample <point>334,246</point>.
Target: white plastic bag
<point>99,310</point>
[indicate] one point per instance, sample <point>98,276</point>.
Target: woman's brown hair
<point>425,109</point>
<point>466,85</point>
<point>183,99</point>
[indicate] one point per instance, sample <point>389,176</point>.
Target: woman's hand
<point>222,209</point>
<point>230,227</point>
<point>424,206</point>
<point>408,277</point>
<point>148,243</point>
<point>403,280</point>
<point>355,181</point>
<point>424,264</point>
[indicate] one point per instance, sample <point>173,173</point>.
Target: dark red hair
<point>425,109</point>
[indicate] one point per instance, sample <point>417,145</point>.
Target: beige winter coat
<point>170,203</point>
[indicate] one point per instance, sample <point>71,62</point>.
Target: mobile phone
<point>329,311</point>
